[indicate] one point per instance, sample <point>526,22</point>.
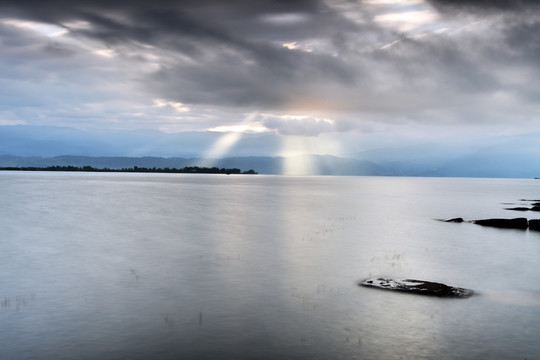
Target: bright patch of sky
<point>50,30</point>
<point>295,46</point>
<point>284,19</point>
<point>175,105</point>
<point>242,128</point>
<point>408,21</point>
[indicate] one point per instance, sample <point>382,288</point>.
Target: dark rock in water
<point>535,208</point>
<point>454,220</point>
<point>534,224</point>
<point>518,209</point>
<point>418,287</point>
<point>517,223</point>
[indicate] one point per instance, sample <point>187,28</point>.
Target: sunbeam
<point>298,152</point>
<point>222,146</point>
<point>227,141</point>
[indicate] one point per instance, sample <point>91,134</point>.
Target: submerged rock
<point>517,223</point>
<point>418,287</point>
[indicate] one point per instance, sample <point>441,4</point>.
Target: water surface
<point>129,266</point>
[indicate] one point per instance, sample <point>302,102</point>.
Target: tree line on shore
<point>86,168</point>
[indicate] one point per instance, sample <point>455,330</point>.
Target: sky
<point>323,73</point>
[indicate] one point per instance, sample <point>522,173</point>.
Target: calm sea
<point>151,266</point>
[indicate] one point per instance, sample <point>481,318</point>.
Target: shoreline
<point>185,170</point>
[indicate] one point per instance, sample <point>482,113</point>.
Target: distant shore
<point>185,170</point>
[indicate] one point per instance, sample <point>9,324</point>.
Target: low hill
<point>300,165</point>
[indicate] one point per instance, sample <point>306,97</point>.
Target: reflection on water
<point>513,297</point>
<point>134,266</point>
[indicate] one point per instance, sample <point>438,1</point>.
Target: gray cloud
<point>340,63</point>
<point>234,50</point>
<point>485,5</point>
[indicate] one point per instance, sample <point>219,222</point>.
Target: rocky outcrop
<point>418,287</point>
<point>454,220</point>
<point>517,223</point>
<point>535,206</point>
<point>534,224</point>
<point>522,208</point>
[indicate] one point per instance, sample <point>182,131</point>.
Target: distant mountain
<point>516,156</point>
<point>318,164</point>
<point>507,161</point>
<point>503,156</point>
<point>52,141</point>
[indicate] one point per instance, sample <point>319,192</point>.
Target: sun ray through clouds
<point>231,136</point>
<point>301,154</point>
<point>222,146</point>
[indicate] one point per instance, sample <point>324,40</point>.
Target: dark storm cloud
<point>283,57</point>
<point>148,20</point>
<point>511,40</point>
<point>524,38</point>
<point>235,45</point>
<point>260,76</point>
<point>516,23</point>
